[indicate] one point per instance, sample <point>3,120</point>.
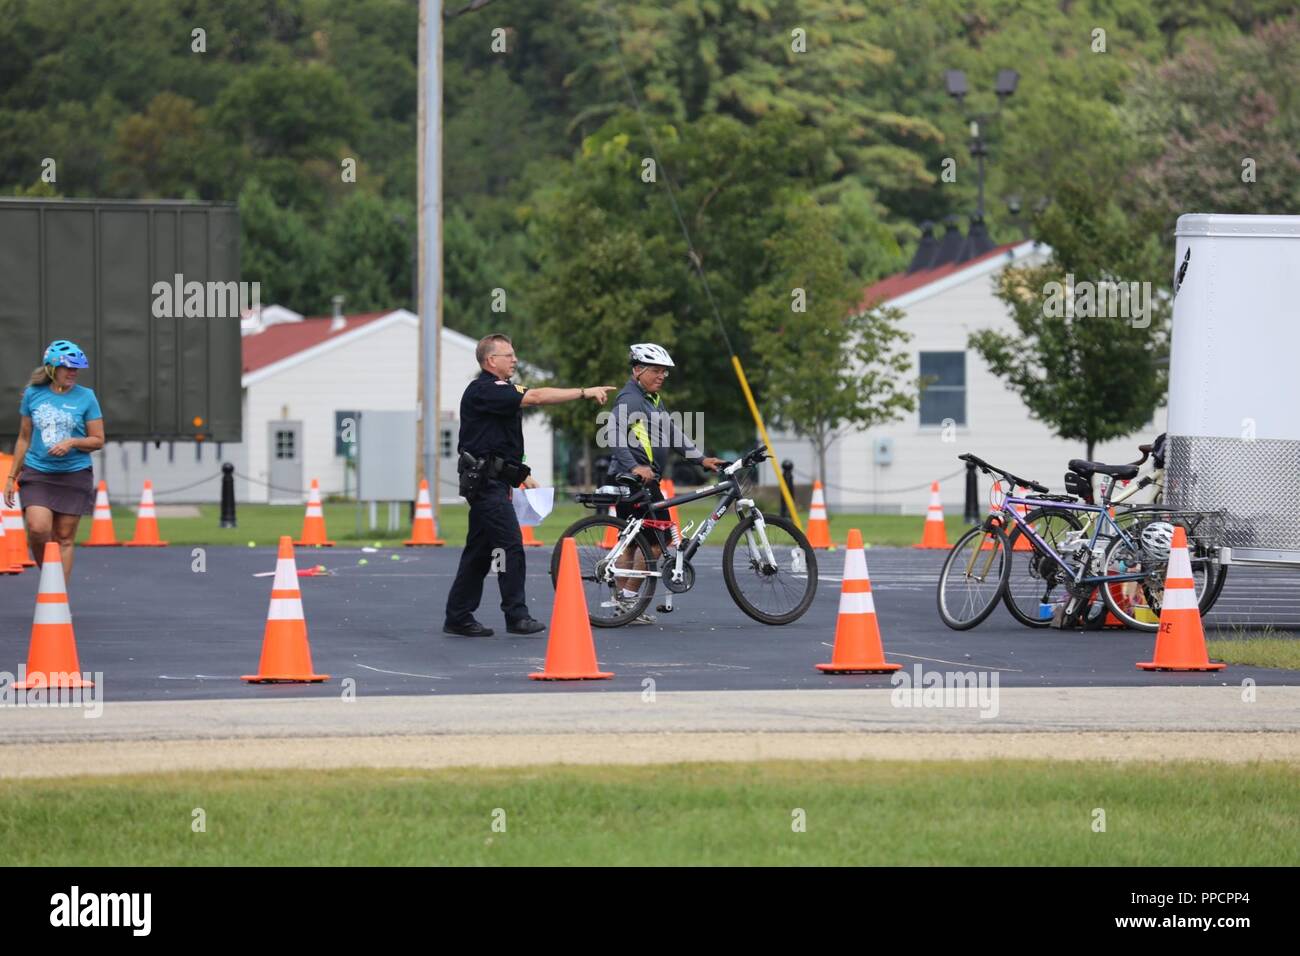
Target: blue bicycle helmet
<point>64,353</point>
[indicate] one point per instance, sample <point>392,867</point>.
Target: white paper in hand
<point>533,504</point>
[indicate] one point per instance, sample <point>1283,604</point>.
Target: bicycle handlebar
<point>1015,480</point>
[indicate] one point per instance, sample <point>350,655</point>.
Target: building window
<point>284,450</point>
<point>943,392</point>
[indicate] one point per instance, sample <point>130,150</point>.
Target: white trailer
<point>1234,382</point>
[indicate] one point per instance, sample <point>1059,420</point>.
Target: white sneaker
<point>645,619</point>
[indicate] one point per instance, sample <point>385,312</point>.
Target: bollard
<point>972,495</point>
<point>787,472</point>
<point>228,496</point>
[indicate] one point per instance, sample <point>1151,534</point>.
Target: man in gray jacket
<point>644,432</point>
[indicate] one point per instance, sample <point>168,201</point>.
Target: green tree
<point>1089,378</point>
<point>826,367</point>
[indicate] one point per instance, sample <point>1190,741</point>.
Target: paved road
<point>159,630</point>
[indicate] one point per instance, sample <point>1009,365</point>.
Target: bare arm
<point>93,441</point>
<point>20,452</point>
<point>23,443</point>
<point>556,396</point>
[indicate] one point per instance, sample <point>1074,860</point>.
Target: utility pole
<point>430,239</point>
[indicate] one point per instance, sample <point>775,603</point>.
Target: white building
<point>300,375</point>
<point>889,468</point>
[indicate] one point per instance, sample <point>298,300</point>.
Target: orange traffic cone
<point>668,491</point>
<point>146,522</point>
<point>857,633</point>
<point>611,533</point>
<point>570,650</point>
<point>934,536</point>
<point>530,539</point>
<point>313,522</point>
<point>101,529</point>
<point>819,529</point>
<point>52,657</point>
<point>7,565</point>
<point>286,655</point>
<point>16,533</point>
<point>1180,639</point>
<point>1022,539</point>
<point>424,531</point>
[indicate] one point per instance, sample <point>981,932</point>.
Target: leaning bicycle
<point>1068,569</point>
<point>769,568</point>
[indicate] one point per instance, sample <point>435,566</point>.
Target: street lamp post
<point>1004,86</point>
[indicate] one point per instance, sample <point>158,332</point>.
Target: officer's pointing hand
<point>599,392</point>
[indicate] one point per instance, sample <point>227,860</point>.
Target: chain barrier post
<point>787,470</point>
<point>972,495</point>
<point>228,496</point>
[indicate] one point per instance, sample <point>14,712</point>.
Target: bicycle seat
<point>628,480</point>
<point>1090,468</point>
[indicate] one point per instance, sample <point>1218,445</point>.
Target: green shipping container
<point>149,289</point>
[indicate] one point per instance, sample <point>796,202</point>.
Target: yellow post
<point>762,430</point>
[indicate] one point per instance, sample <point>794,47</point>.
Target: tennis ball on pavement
<point>252,544</point>
<point>396,557</point>
<point>320,567</point>
<point>379,544</point>
<point>363,561</point>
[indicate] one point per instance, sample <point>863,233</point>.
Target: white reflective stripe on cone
<point>857,602</point>
<point>1179,599</point>
<point>286,575</point>
<point>52,579</point>
<point>52,613</point>
<point>1180,564</point>
<point>313,511</point>
<point>855,566</point>
<point>285,609</point>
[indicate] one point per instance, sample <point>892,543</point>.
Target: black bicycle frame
<point>730,493</point>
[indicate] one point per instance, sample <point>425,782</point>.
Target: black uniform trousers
<point>492,525</point>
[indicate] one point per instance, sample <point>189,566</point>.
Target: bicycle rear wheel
<point>1037,583</point>
<point>770,593</point>
<point>607,604</point>
<point>974,576</point>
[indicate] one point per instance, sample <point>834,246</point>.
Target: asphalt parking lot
<point>159,630</point>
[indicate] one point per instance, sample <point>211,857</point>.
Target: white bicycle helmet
<point>647,353</point>
<point>1157,537</point>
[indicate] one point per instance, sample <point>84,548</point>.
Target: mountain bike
<point>769,568</point>
<point>1124,565</point>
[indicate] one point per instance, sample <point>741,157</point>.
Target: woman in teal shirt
<point>61,425</point>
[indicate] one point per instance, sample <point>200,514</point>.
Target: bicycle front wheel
<point>1037,583</point>
<point>974,576</point>
<point>612,599</point>
<point>774,591</point>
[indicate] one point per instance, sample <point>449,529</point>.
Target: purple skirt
<point>63,492</point>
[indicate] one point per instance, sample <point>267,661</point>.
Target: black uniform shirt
<point>491,418</point>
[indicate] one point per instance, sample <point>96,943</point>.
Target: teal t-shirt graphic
<point>56,418</point>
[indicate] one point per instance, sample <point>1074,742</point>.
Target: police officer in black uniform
<point>491,465</point>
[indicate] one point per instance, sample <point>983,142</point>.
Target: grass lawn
<point>263,524</point>
<point>1266,647</point>
<point>862,813</point>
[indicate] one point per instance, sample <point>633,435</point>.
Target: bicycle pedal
<point>665,609</point>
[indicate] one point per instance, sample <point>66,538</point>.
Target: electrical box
<point>882,451</point>
<point>385,456</point>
